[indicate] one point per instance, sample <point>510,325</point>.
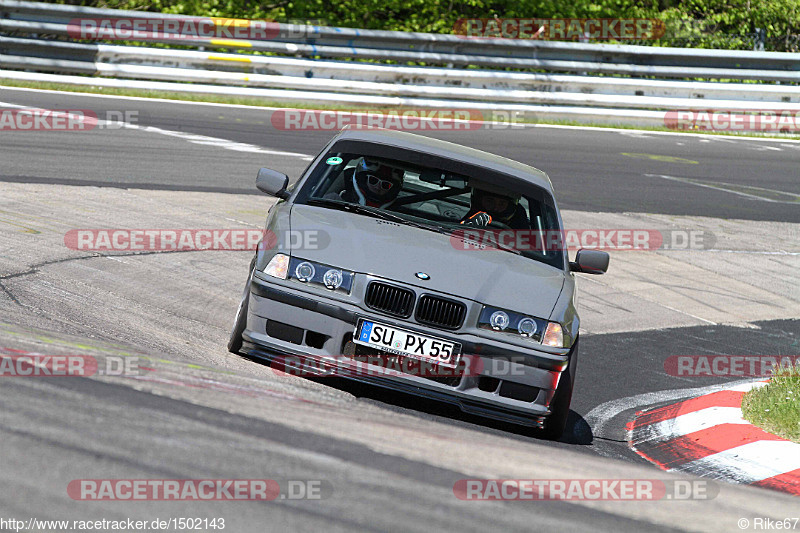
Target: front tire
<point>556,423</point>
<point>240,323</point>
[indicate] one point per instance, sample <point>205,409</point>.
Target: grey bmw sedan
<point>421,266</point>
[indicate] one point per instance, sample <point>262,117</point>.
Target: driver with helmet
<point>370,183</point>
<point>488,207</point>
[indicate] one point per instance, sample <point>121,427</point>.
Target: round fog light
<point>527,327</point>
<point>499,320</point>
<point>332,279</point>
<point>304,271</point>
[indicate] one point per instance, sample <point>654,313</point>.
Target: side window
<point>526,208</point>
<point>551,218</point>
<point>542,215</point>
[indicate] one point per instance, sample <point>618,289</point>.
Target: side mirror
<point>272,182</point>
<point>590,262</point>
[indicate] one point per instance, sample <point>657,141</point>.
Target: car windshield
<point>521,220</point>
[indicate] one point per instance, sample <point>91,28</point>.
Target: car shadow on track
<point>578,431</point>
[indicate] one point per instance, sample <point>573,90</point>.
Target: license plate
<point>408,343</point>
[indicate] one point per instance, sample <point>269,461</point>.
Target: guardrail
<point>286,67</point>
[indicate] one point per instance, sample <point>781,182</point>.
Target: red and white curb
<point>707,436</point>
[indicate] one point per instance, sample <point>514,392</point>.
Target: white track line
<point>747,387</point>
<point>193,138</point>
<point>691,181</point>
<point>219,143</point>
<point>722,138</point>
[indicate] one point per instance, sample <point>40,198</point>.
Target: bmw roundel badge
<point>423,276</point>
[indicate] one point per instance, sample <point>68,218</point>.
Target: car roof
<point>419,143</point>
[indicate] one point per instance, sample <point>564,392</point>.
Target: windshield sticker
<point>334,160</point>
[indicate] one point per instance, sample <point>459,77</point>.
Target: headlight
<point>511,323</point>
<point>305,271</point>
<point>330,277</point>
<point>278,266</point>
<point>527,327</point>
<point>499,320</point>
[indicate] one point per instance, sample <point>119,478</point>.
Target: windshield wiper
<point>461,233</point>
<point>508,249</point>
<point>355,208</point>
<point>375,212</point>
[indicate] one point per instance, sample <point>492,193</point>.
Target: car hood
<point>396,252</point>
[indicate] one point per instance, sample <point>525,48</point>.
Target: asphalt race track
<point>587,167</point>
<point>384,461</point>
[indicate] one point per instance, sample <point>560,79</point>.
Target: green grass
<point>262,102</point>
<point>776,406</point>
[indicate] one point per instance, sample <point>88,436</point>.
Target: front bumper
<point>512,384</point>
